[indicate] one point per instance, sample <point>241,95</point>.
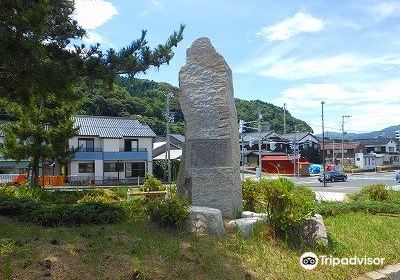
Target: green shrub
<point>169,212</point>
<point>371,207</point>
<point>251,194</point>
<point>376,192</point>
<point>286,204</point>
<point>151,184</point>
<point>383,168</point>
<point>91,207</point>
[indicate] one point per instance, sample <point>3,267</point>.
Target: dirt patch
<point>5,220</point>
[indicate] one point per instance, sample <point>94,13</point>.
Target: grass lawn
<point>140,250</point>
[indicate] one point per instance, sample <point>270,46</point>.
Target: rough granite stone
<point>250,214</point>
<point>315,231</point>
<point>246,225</point>
<point>209,175</point>
<point>205,220</point>
<point>312,232</point>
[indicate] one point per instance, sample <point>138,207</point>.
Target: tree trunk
<point>35,170</point>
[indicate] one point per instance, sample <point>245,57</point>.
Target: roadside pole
<point>323,141</point>
<point>241,126</point>
<point>342,163</point>
<point>259,142</point>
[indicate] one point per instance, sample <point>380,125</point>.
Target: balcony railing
<point>121,150</point>
<point>90,149</point>
<point>133,150</point>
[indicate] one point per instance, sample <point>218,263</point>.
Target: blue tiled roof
<point>112,127</point>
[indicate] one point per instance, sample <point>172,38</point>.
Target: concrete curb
<point>390,272</point>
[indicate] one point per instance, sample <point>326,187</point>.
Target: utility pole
<point>294,151</point>
<point>284,118</point>
<point>343,117</point>
<point>241,126</point>
<point>323,141</point>
<point>168,138</point>
<point>259,141</point>
<point>333,152</point>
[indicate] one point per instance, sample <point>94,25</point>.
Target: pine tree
<point>39,69</point>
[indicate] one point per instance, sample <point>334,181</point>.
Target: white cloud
<point>91,14</point>
<point>157,3</point>
<point>386,9</point>
<point>287,28</point>
<point>276,65</point>
<point>93,37</point>
<point>372,107</point>
<point>144,13</point>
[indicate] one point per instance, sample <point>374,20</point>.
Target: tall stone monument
<point>209,174</point>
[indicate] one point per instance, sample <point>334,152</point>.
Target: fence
<point>8,178</point>
<point>102,181</point>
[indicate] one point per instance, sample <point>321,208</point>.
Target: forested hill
<point>145,100</point>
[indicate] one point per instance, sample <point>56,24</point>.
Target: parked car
<point>333,176</point>
<point>398,176</point>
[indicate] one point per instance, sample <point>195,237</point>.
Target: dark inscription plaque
<point>210,152</point>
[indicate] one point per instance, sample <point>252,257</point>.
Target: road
<point>353,184</point>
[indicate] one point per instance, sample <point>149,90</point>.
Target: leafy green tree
<point>39,70</point>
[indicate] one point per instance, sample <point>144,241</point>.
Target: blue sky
<point>344,52</point>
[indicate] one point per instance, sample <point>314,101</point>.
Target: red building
<point>283,164</point>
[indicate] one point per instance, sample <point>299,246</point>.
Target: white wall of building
<point>98,168</point>
<point>148,144</point>
<point>365,161</point>
<point>74,169</point>
<point>98,143</point>
<point>111,145</point>
<point>391,147</point>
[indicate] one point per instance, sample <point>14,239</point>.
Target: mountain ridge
<point>388,132</point>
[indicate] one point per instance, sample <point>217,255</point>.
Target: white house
<point>304,139</point>
<point>381,145</point>
<point>111,148</point>
<point>366,162</point>
<point>388,150</point>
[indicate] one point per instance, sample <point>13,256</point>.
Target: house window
<point>131,145</point>
<point>391,149</point>
<point>113,167</point>
<point>86,144</point>
<point>135,169</point>
<point>86,167</point>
